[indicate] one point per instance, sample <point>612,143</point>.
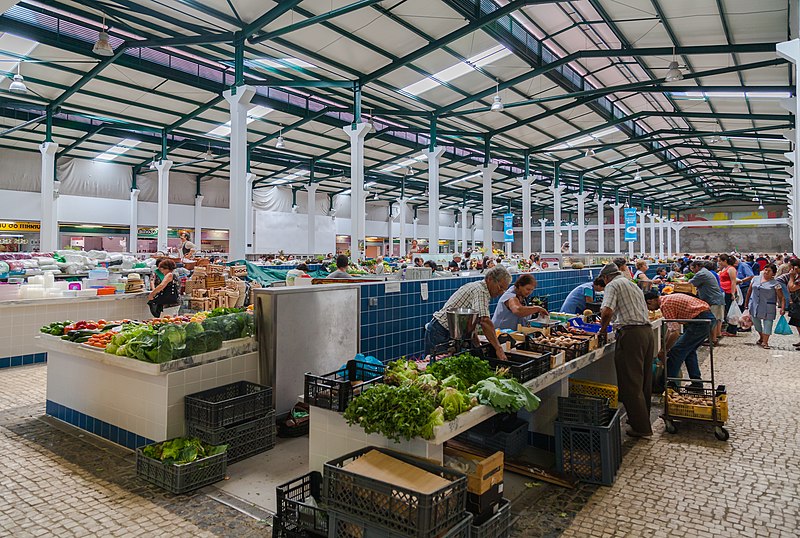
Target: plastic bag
<point>746,321</point>
<point>734,314</point>
<point>737,295</point>
<point>783,327</point>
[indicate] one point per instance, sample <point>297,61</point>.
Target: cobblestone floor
<point>690,484</point>
<point>55,482</point>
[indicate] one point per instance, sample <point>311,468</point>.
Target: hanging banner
<point>630,225</point>
<point>508,228</point>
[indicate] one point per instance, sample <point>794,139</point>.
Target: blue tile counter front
<point>23,360</point>
<point>96,426</point>
<point>395,326</point>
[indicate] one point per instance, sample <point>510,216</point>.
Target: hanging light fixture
<point>673,70</point>
<point>372,128</point>
<point>737,168</point>
<point>760,205</point>
<point>280,143</point>
<point>589,152</point>
<point>18,83</point>
<point>638,176</point>
<point>102,47</point>
<point>497,104</point>
<point>209,156</point>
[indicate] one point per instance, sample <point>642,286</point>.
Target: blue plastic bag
<point>782,327</point>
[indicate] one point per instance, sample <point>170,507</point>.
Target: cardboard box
<point>379,466</point>
<point>215,281</point>
<point>488,471</point>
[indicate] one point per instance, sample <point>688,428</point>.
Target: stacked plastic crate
<point>239,415</point>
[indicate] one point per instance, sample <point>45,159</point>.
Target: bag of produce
<point>746,321</point>
<point>734,314</point>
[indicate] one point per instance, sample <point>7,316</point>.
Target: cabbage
<point>436,419</point>
<point>454,402</point>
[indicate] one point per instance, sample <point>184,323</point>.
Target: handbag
<point>783,327</point>
<point>170,295</point>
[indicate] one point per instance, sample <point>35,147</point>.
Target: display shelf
<point>47,301</point>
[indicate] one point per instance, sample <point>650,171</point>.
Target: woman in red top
<point>727,280</point>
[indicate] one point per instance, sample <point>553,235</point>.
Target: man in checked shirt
<point>682,306</point>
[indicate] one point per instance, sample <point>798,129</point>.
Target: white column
<point>617,220</point>
<point>569,237</point>
<point>630,250</point>
<point>543,222</point>
<point>642,231</point>
<point>678,238</point>
<point>414,228</point>
<point>239,103</point>
<point>133,234</point>
<point>162,245</point>
<point>402,216</point>
<point>526,216</point>
<point>433,199</point>
<point>198,222</point>
<point>653,250</point>
<point>48,230</point>
<point>390,229</point>
<point>311,226</point>
<point>487,171</point>
<point>581,224</point>
<point>557,217</point>
<point>601,222</point>
<point>358,207</point>
<point>661,222</point>
<point>249,229</point>
<point>669,237</point>
<point>790,50</point>
<point>464,239</point>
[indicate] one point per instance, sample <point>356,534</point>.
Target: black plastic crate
<point>523,368</point>
<point>229,404</point>
<point>295,519</point>
<point>485,505</point>
<point>243,440</point>
<point>497,526</point>
<point>182,478</point>
<point>589,453</point>
<point>584,410</point>
<point>570,353</point>
<point>395,509</point>
<point>511,442</point>
<point>347,526</point>
<point>335,390</point>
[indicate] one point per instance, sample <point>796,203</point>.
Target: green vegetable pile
<point>56,328</point>
<point>230,326</point>
<point>221,311</point>
<point>164,343</point>
<point>412,402</point>
<point>182,450</point>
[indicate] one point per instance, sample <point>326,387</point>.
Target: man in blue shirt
<point>575,303</point>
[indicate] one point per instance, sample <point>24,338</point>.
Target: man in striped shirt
<point>685,307</point>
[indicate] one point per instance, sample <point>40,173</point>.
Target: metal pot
<point>461,323</point>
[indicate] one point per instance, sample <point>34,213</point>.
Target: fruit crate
<point>183,478</point>
<point>589,453</point>
<point>346,526</point>
<point>226,405</point>
<point>244,440</point>
<point>497,526</point>
<point>571,352</point>
<point>335,390</point>
<point>523,368</point>
<point>295,518</point>
<point>697,411</point>
<point>590,388</point>
<point>581,409</point>
<point>510,442</point>
<point>394,509</point>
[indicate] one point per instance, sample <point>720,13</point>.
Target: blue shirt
<point>503,317</point>
<point>743,271</point>
<point>575,303</point>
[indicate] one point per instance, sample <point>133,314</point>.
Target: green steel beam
<point>202,39</point>
<point>284,6</point>
<point>64,152</point>
<point>85,79</point>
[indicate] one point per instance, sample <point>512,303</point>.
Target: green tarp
<point>265,276</point>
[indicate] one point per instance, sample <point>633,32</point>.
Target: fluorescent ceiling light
<point>732,95</point>
<point>115,151</point>
<point>282,63</point>
<point>458,70</point>
<point>583,139</point>
<point>14,48</point>
<point>459,180</point>
<point>408,162</point>
<point>754,139</point>
<point>291,177</point>
<point>254,113</point>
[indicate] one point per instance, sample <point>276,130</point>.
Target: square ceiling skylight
<point>458,70</point>
<point>224,130</point>
<point>115,151</point>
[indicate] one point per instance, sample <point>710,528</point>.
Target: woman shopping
<point>640,276</point>
<point>729,284</point>
<point>511,310</point>
<point>792,281</point>
<point>166,293</point>
<point>763,297</point>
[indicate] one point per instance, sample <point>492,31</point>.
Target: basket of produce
<point>593,328</point>
<point>571,347</point>
<point>524,365</point>
<point>243,440</point>
<point>580,409</point>
<point>335,390</point>
<point>394,492</point>
<point>299,513</point>
<point>229,404</point>
<point>591,388</point>
<point>697,404</point>
<point>181,465</point>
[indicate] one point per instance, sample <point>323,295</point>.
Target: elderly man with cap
<point>474,296</point>
<point>624,302</point>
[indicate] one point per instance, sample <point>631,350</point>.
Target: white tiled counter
<point>20,320</point>
<point>131,402</point>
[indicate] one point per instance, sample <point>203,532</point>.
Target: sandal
<point>766,346</point>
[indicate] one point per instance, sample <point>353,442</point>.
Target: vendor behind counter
<point>576,301</point>
<point>511,310</point>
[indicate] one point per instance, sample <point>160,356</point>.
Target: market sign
<point>152,233</point>
<point>508,228</point>
<point>11,226</point>
<point>630,225</point>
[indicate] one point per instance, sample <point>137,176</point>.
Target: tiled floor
<point>54,482</point>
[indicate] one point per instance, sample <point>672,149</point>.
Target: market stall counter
<point>131,401</point>
<point>331,436</point>
<point>22,319</point>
